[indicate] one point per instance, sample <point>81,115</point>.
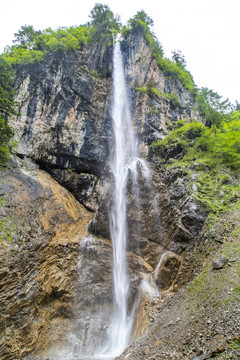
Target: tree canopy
<point>25,36</point>
<point>212,107</point>
<point>31,46</point>
<point>104,22</point>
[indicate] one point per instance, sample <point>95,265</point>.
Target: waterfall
<point>106,337</point>
<point>124,152</point>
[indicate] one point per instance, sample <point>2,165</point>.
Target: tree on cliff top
<point>7,108</point>
<point>212,107</point>
<point>104,22</point>
<point>26,36</point>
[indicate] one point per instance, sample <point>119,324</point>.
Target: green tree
<point>104,22</point>
<point>211,107</point>
<point>237,106</point>
<point>142,23</point>
<point>179,58</point>
<point>26,36</point>
<point>143,17</point>
<point>7,108</point>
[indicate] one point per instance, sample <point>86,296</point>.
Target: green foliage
<point>23,56</point>
<point>95,74</point>
<point>178,124</point>
<point>153,110</point>
<point>211,107</point>
<point>179,58</point>
<point>180,138</point>
<point>25,36</point>
<point>6,134</point>
<point>103,22</point>
<point>7,230</point>
<point>7,93</point>
<point>33,46</point>
<point>143,89</point>
<point>142,23</point>
<point>198,142</point>
<point>173,98</point>
<point>141,18</point>
<point>194,147</point>
<point>237,106</point>
<point>214,192</point>
<point>172,69</point>
<point>7,108</point>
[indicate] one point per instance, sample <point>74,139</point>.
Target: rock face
<point>64,117</point>
<point>56,250</point>
<point>152,114</point>
<point>54,276</point>
<point>38,264</point>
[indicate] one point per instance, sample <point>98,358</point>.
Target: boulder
<point>219,263</point>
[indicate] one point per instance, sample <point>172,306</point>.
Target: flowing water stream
<point>126,166</point>
<point>125,151</point>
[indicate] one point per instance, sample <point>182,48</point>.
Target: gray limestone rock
<point>219,263</point>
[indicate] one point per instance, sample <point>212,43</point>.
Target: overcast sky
<point>206,31</point>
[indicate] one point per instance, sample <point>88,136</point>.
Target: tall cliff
<point>57,269</point>
<point>65,103</point>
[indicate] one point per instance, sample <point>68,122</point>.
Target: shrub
<point>201,143</point>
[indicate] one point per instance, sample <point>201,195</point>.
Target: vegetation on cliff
<point>212,151</point>
<point>176,68</point>
<point>31,45</point>
<point>7,108</point>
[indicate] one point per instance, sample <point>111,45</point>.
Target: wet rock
<point>62,272</point>
<point>85,187</point>
<point>64,119</point>
<point>167,270</point>
<point>53,271</point>
<point>38,263</point>
<point>194,215</point>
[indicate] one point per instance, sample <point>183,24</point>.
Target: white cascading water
<point>126,166</point>
<point>125,150</point>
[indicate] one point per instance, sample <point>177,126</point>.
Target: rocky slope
<point>43,223</point>
<point>55,248</point>
<point>202,320</point>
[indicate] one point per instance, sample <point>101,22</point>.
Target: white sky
<point>206,31</point>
